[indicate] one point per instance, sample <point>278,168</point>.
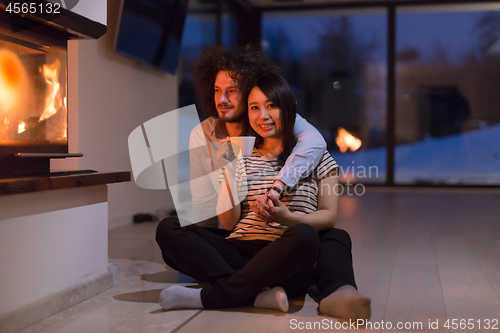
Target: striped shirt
<point>258,173</point>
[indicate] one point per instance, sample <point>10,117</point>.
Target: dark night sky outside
<point>422,31</point>
<point>454,31</point>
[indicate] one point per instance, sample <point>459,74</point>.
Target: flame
<point>346,140</point>
<point>53,98</point>
<point>12,79</point>
<point>21,127</point>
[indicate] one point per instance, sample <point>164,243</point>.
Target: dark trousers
<point>334,263</point>
<point>237,270</point>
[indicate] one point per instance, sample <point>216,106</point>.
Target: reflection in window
<point>335,62</point>
<point>229,25</point>
<point>448,78</point>
<point>199,32</point>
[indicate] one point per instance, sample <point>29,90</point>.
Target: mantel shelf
<point>47,183</point>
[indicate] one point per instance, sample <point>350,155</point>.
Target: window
<point>336,64</point>
<point>447,83</point>
<point>199,32</point>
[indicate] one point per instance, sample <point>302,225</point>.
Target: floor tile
<point>420,255</point>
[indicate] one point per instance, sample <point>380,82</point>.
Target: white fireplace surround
<point>53,246</point>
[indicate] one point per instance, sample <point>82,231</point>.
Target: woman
<point>279,249</point>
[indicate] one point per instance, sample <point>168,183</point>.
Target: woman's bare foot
<point>346,303</point>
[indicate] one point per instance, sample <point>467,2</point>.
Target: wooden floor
<point>421,255</point>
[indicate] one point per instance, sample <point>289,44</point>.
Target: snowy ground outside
<point>469,158</point>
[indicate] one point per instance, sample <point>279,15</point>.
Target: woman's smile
<point>266,127</point>
<point>263,114</point>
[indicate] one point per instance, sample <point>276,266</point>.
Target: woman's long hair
<point>277,90</point>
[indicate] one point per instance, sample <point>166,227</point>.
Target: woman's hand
<point>272,210</point>
<point>262,209</point>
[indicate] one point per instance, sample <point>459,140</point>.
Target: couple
<point>281,242</point>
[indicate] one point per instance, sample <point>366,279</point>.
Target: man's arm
<point>203,192</point>
<point>228,212</point>
<point>305,155</point>
<point>228,204</point>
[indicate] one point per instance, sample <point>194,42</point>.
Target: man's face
<point>228,99</point>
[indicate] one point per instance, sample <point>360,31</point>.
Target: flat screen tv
<point>150,31</point>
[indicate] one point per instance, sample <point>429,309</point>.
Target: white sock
<point>177,297</point>
<point>274,298</point>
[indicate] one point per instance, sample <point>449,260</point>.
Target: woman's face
<point>264,116</point>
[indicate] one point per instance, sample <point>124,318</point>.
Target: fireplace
<point>34,91</point>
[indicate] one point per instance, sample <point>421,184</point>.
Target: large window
<point>412,86</point>
<point>229,25</point>
<point>336,63</point>
<point>447,95</point>
<point>207,24</point>
<point>199,32</point>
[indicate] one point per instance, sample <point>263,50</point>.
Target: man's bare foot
<point>346,303</point>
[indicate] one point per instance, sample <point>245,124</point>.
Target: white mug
<point>245,143</point>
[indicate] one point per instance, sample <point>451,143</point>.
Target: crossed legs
<point>209,257</point>
<point>238,270</point>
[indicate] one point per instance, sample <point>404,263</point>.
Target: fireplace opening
<point>34,89</point>
<point>33,96</point>
<point>33,103</point>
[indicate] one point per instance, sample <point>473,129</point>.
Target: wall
<point>109,96</point>
<point>50,241</point>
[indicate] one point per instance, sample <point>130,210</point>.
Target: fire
<point>53,98</point>
<point>21,127</point>
<point>13,79</point>
<point>346,140</point>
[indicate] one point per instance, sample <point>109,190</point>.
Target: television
<point>150,31</point>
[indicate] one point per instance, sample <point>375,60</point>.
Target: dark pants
<point>238,270</point>
<point>334,263</point>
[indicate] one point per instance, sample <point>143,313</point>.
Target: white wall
<point>109,96</point>
<point>50,241</point>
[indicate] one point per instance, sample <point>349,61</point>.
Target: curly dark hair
<point>244,67</point>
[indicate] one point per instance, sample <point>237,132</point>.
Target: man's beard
<point>235,118</point>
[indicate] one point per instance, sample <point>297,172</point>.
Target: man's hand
<point>272,194</point>
<point>225,153</point>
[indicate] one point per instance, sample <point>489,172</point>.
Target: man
<point>223,80</point>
